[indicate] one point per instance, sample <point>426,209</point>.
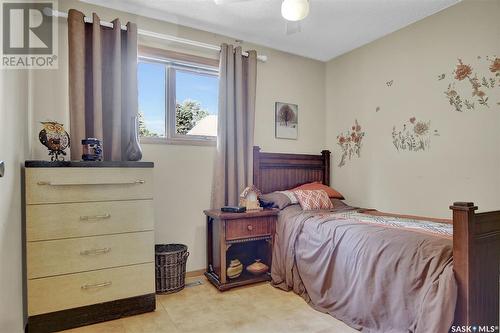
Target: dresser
<point>89,242</point>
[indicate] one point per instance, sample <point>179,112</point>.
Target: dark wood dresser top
<point>88,164</point>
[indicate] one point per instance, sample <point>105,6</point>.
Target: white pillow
<point>290,196</point>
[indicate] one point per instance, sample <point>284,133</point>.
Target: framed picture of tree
<point>286,120</point>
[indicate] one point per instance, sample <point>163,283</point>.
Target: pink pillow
<point>332,193</point>
<point>313,199</point>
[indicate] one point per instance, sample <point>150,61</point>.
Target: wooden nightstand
<point>244,236</point>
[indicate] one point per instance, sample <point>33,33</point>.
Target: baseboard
<point>196,273</point>
<point>91,314</point>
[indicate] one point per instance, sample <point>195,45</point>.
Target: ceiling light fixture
<point>294,10</point>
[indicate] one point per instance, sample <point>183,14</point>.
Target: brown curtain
<point>102,84</point>
<point>236,119</point>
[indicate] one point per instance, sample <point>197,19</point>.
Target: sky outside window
<point>198,87</point>
<point>151,84</point>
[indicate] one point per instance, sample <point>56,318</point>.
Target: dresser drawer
<point>74,290</point>
<point>246,228</point>
<point>60,185</point>
<point>56,221</point>
<point>56,257</point>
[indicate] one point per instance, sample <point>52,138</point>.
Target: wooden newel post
<point>463,261</point>
<point>326,163</point>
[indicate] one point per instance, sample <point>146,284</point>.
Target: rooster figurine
<point>55,138</point>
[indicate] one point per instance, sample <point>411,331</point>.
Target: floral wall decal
<point>414,136</point>
<point>350,143</point>
<point>477,86</point>
<point>495,65</point>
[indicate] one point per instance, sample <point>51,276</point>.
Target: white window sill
<point>180,141</point>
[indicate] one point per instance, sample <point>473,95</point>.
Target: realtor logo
<point>29,35</point>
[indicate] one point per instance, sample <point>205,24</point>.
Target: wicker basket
<point>170,267</point>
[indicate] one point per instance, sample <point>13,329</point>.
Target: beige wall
<point>184,173</point>
<point>14,92</point>
<point>462,163</point>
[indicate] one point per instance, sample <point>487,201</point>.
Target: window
<point>178,98</point>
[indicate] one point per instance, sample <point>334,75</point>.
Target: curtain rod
<point>157,35</point>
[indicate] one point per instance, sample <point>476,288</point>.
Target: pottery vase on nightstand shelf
<point>257,268</point>
<point>234,270</point>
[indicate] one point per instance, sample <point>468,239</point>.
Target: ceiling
<point>332,28</point>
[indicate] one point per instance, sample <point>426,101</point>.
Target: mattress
<point>376,272</point>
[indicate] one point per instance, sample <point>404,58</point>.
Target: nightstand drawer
<point>247,228</point>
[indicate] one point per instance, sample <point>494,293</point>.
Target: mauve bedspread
<point>375,274</point>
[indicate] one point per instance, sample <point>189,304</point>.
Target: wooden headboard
<point>277,172</point>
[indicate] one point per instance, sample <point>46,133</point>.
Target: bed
<point>459,274</point>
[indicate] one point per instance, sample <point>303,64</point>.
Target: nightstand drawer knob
<point>249,227</point>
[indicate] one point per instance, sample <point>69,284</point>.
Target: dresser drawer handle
<point>95,217</point>
<point>96,285</point>
<point>95,252</point>
<point>138,181</point>
<point>249,227</point>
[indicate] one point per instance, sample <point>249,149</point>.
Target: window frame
<point>174,62</point>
